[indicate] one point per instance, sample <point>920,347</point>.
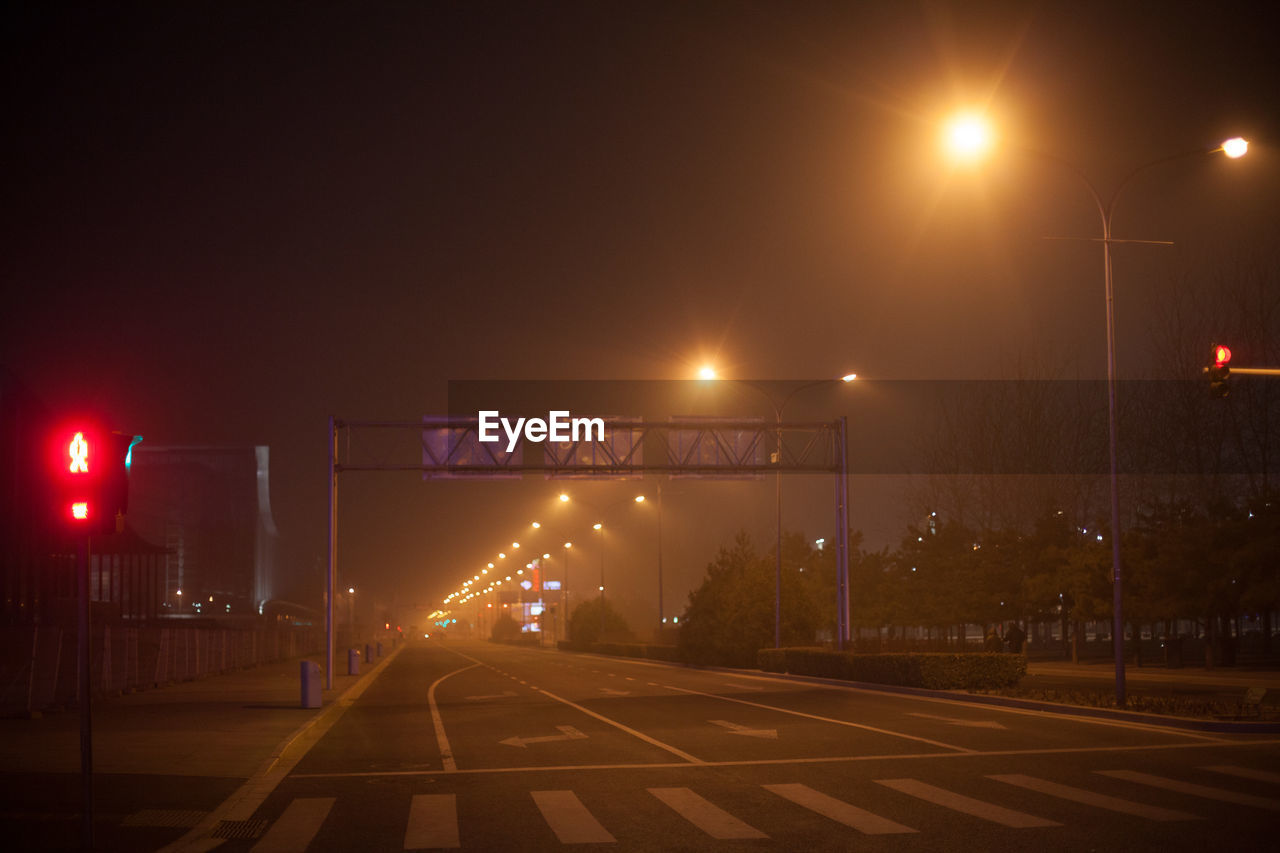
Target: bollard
<point>379,648</point>
<point>353,661</point>
<point>368,652</point>
<point>310,684</point>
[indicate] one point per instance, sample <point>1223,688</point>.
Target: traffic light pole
<point>86,706</point>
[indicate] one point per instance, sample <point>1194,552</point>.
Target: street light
<point>778,408</point>
<point>599,528</point>
<point>1233,148</point>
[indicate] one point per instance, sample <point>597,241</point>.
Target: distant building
<point>210,509</point>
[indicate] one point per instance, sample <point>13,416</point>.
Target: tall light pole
<point>969,138</point>
<point>599,528</point>
<point>778,408</point>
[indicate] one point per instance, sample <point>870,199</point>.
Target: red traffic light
<point>1221,355</point>
<point>89,477</point>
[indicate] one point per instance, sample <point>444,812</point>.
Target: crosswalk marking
<point>708,817</point>
<point>433,822</point>
<point>1092,798</point>
<point>966,805</point>
<point>1245,773</point>
<point>1193,789</point>
<point>837,810</point>
<point>569,818</point>
<point>293,831</point>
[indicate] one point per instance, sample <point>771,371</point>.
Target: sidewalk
<point>1104,671</point>
<point>166,761</point>
<point>224,725</point>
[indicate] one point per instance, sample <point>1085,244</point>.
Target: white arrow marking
<point>973,724</point>
<point>736,729</point>
<point>611,692</point>
<point>503,695</point>
<point>567,733</point>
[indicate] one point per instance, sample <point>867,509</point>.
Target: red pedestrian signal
<point>90,478</point>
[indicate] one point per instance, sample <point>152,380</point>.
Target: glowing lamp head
<point>597,526</point>
<point>1221,355</point>
<point>1236,147</point>
<point>967,137</point>
<point>564,499</point>
<point>639,499</point>
<point>536,525</point>
<point>707,372</point>
<point>848,377</point>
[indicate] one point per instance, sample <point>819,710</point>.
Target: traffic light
<point>1218,372</point>
<point>91,478</point>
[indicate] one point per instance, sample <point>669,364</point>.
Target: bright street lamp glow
<point>536,525</point>
<point>564,498</point>
<point>967,136</point>
<point>546,556</point>
<point>596,526</point>
<point>351,589</point>
<point>515,544</point>
<point>639,499</point>
<point>491,565</point>
<point>707,372</point>
<point>848,377</point>
<point>1235,147</point>
<point>568,544</point>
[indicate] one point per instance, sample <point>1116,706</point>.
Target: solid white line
<point>433,822</point>
<point>1092,798</point>
<point>820,718</point>
<point>1194,790</point>
<point>294,830</point>
<point>763,762</point>
<point>965,805</point>
<point>1245,773</point>
<point>569,818</point>
<point>838,810</point>
<point>708,817</point>
<point>446,752</point>
<point>644,737</point>
<point>641,735</point>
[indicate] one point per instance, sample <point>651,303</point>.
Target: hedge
<point>936,671</point>
<point>647,651</point>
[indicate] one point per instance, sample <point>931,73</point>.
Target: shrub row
<point>935,671</point>
<point>627,650</point>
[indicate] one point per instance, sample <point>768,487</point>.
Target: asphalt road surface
<point>486,747</point>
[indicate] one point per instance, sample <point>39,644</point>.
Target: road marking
<point>629,678</point>
<point>446,752</point>
<point>433,822</point>
<point>566,733</point>
<point>737,729</point>
<point>966,805</point>
<point>295,829</point>
<point>767,762</point>
<point>750,687</point>
<point>609,691</point>
<point>1092,798</point>
<point>644,737</point>
<point>823,719</point>
<point>503,695</point>
<point>957,721</point>
<point>1194,790</point>
<point>1245,773</point>
<point>621,726</point>
<point>708,817</point>
<point>838,810</point>
<point>569,818</point>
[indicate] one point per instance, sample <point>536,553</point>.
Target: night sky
<point>226,222</point>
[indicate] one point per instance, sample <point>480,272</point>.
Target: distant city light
<point>707,372</point>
